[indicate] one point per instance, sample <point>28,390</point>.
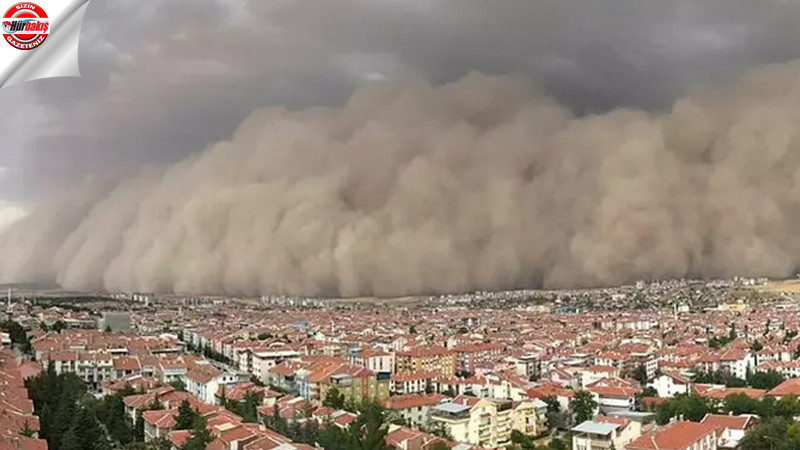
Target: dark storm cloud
<point>162,79</point>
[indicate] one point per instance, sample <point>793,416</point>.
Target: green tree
<point>111,412</point>
<point>309,433</point>
<point>756,346</point>
<point>178,384</point>
<point>84,433</point>
<point>200,437</point>
<point>564,443</point>
<point>718,342</point>
<point>740,404</point>
<point>777,433</point>
<point>155,404</point>
<point>159,443</point>
<point>249,409</point>
<point>649,391</point>
<point>187,417</point>
<point>334,399</point>
<point>335,438</point>
<point>640,374</point>
<point>17,335</point>
<point>787,407</point>
<point>367,432</point>
<point>691,407</point>
<point>439,445</point>
<point>719,377</point>
<point>138,428</point>
<point>766,380</point>
<point>556,419</point>
<point>523,441</point>
<point>57,400</point>
<point>58,326</point>
<point>369,429</point>
<point>583,405</point>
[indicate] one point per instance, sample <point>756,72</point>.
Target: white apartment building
<point>605,433</point>
<point>263,361</point>
<point>484,422</point>
<point>376,360</point>
<point>670,385</point>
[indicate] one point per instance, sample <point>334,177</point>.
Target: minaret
<point>9,297</point>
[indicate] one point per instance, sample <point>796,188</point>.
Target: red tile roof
<point>677,436</point>
<point>413,400</point>
<point>787,388</point>
<point>726,421</point>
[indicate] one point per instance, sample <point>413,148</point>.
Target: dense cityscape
<point>662,365</point>
<point>400,225</point>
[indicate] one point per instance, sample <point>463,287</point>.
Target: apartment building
<point>93,368</point>
<point>376,360</point>
<point>730,429</point>
<point>605,433</point>
<point>427,359</point>
<point>263,361</point>
<point>205,381</point>
<point>614,395</point>
<point>482,421</point>
<point>528,366</point>
<point>313,378</point>
<point>413,383</point>
<point>413,409</point>
<point>670,384</point>
<point>468,356</point>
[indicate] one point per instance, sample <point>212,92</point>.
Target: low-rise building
<point>604,433</point>
<point>204,382</point>
<point>263,361</point>
<point>413,409</point>
<point>730,429</point>
<point>670,384</point>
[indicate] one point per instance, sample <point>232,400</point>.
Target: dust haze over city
<point>387,148</point>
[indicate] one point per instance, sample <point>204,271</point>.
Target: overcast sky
<point>164,78</point>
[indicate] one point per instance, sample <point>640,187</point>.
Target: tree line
<point>758,380</point>
<point>72,419</point>
<point>17,335</point>
<point>777,424</point>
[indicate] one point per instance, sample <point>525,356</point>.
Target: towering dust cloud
<point>484,183</point>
